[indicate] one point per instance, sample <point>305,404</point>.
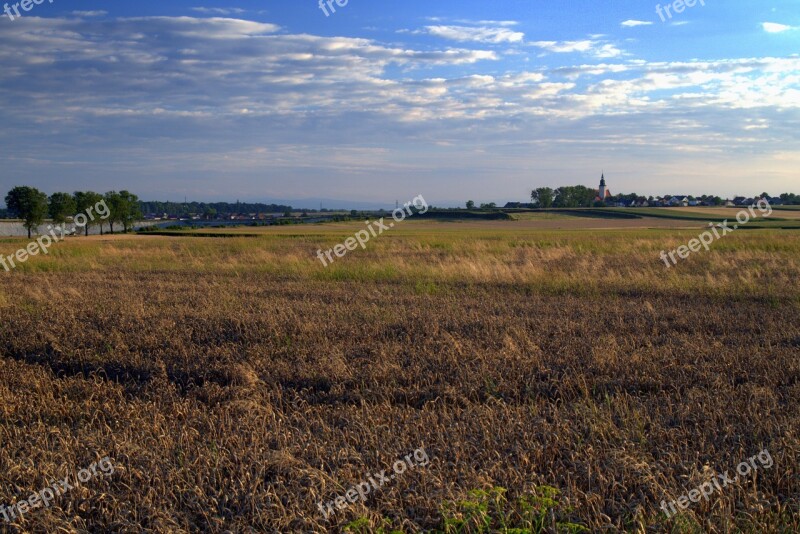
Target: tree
<point>489,206</point>
<point>578,196</point>
<point>210,214</point>
<point>85,200</point>
<point>470,205</point>
<point>129,211</point>
<point>61,206</point>
<point>114,202</point>
<point>124,208</point>
<point>542,197</point>
<point>28,204</point>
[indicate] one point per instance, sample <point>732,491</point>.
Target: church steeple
<point>603,193</point>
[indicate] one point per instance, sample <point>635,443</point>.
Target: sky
<point>382,101</point>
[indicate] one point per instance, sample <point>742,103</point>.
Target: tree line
<point>34,206</point>
<point>580,196</point>
<point>210,210</point>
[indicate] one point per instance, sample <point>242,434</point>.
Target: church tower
<point>603,189</point>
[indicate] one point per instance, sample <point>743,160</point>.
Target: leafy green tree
<point>84,200</point>
<point>115,207</point>
<point>210,214</point>
<point>470,205</point>
<point>29,204</point>
<point>489,206</point>
<point>578,196</point>
<point>543,197</point>
<point>129,210</point>
<point>61,207</point>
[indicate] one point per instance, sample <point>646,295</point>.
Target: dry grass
<point>236,382</point>
<point>787,212</point>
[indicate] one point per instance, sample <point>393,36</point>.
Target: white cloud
<point>480,34</point>
<point>599,49</point>
<point>219,10</point>
<point>98,13</point>
<point>507,23</point>
<point>634,23</point>
<point>773,27</point>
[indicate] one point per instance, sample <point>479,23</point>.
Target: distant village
<point>669,201</point>
<point>581,196</point>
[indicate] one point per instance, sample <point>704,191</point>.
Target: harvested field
<point>526,222</point>
<point>236,383</point>
<point>783,212</point>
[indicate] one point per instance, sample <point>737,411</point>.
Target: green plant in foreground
<point>362,526</point>
<point>490,511</point>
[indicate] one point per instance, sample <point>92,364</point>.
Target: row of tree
<point>577,196</point>
<point>485,206</point>
<point>790,198</point>
<point>209,210</point>
<point>34,206</point>
<point>580,196</point>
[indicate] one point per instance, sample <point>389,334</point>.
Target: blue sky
<point>379,101</point>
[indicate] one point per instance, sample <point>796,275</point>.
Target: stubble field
<point>236,383</point>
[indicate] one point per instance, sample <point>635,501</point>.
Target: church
<point>604,193</point>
